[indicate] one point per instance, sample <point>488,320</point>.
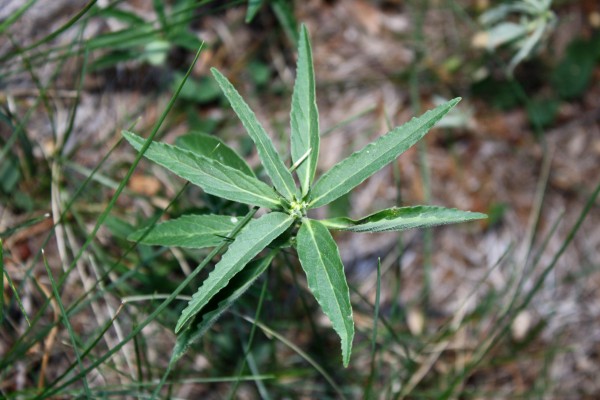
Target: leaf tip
<point>127,134</point>
<point>216,73</point>
<point>180,324</point>
<point>455,101</point>
<point>478,215</point>
<point>133,139</point>
<point>303,30</point>
<point>347,351</point>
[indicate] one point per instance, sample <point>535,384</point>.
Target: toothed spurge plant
<point>218,170</point>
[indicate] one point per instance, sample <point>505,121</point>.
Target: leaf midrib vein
<point>227,183</point>
<point>198,300</point>
<point>313,237</point>
<point>257,132</point>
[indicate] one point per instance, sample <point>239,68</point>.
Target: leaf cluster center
<point>298,208</point>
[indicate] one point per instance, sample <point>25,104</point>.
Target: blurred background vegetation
<point>507,308</point>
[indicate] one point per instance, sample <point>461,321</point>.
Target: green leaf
<point>572,76</point>
<point>156,52</point>
<point>128,37</point>
<point>255,236</point>
<point>212,147</point>
<point>503,33</point>
<point>221,302</point>
<point>194,231</point>
<point>159,9</point>
<point>320,259</point>
<point>185,39</point>
<point>304,115</point>
<point>201,91</point>
<point>128,17</point>
<point>280,176</point>
<point>399,219</point>
<point>284,12</point>
<point>214,177</point>
<point>10,174</point>
<point>349,173</point>
<point>253,7</point>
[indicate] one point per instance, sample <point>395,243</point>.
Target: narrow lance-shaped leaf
<point>194,231</point>
<point>221,302</point>
<point>320,259</point>
<point>398,219</point>
<point>280,176</point>
<point>304,116</point>
<point>212,147</point>
<point>352,171</point>
<point>255,236</point>
<point>212,176</point>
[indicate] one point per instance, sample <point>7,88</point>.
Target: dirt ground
<point>493,163</point>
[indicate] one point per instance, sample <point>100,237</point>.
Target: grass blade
<point>30,222</point>
<point>350,172</point>
<point>22,309</point>
<point>15,16</point>
<point>297,350</point>
<point>320,259</point>
<point>304,116</point>
<point>220,303</point>
<point>67,325</point>
<point>369,385</point>
<point>50,390</point>
<point>51,36</point>
<point>215,307</point>
<point>280,176</point>
<point>284,12</point>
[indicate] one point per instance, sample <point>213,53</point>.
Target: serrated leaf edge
<point>135,140</point>
<point>304,118</point>
<point>361,224</point>
<point>280,176</point>
<point>348,335</point>
<point>201,297</point>
<point>317,199</point>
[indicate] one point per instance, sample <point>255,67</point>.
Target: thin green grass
<point>7,23</point>
<point>109,207</point>
<point>131,37</point>
<point>373,366</point>
<point>18,299</point>
<point>300,352</point>
<point>90,237</point>
<point>38,336</point>
<point>418,13</point>
<point>68,325</point>
<point>70,23</point>
<point>248,347</point>
<point>502,329</point>
<point>81,189</point>
<point>389,354</point>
